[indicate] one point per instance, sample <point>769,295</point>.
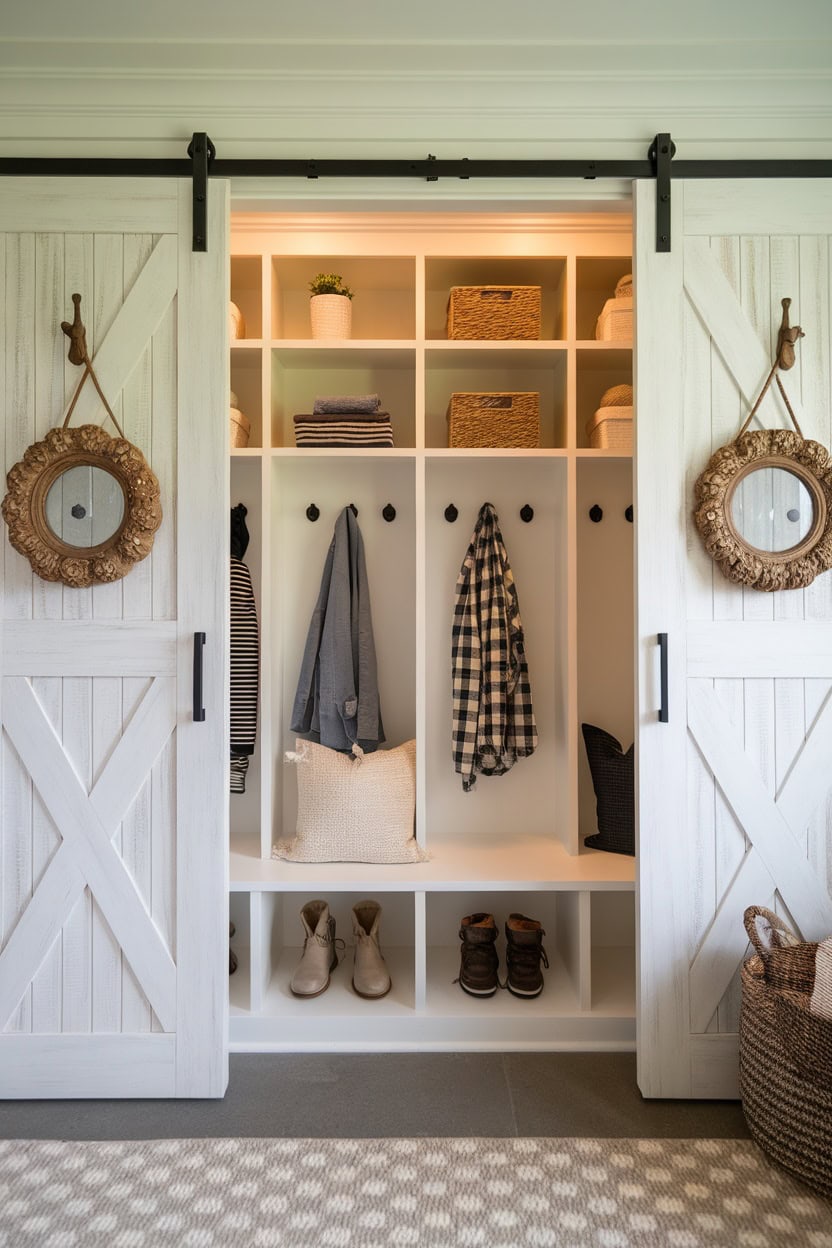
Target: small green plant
<point>329,284</point>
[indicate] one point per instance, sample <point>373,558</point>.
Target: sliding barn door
<point>113,905</point>
<point>735,789</point>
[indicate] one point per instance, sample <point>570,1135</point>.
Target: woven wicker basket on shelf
<point>494,312</point>
<point>510,419</point>
<point>785,1053</point>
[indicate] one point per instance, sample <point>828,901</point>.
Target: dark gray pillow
<point>613,778</point>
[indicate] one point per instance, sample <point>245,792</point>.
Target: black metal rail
<point>203,163</point>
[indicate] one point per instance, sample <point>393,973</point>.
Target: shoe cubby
<point>275,1012</point>
<point>515,842</point>
<point>612,953</point>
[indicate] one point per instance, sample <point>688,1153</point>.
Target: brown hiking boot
<point>524,953</point>
<point>478,965</point>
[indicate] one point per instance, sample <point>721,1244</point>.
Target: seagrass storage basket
<point>785,1053</point>
<point>494,312</point>
<point>494,420</point>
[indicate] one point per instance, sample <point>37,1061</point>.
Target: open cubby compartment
<point>338,1016</point>
<point>597,370</point>
<point>606,693</point>
<point>247,384</point>
<point>300,375</point>
<point>513,819</point>
<point>547,272</point>
<point>299,549</point>
<point>384,294</point>
<point>239,984</point>
<point>613,952</point>
<point>556,911</point>
<point>246,808</point>
<point>247,292</point>
<point>495,369</point>
<point>596,277</point>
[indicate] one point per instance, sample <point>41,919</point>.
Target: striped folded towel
<point>343,430</point>
<point>346,404</point>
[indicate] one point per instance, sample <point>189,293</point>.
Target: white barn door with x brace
<point>735,789</point>
<point>113,854</point>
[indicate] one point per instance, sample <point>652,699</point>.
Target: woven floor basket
<point>785,1054</point>
<point>494,420</point>
<point>494,312</point>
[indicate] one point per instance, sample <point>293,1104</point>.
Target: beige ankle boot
<point>319,954</point>
<point>370,977</point>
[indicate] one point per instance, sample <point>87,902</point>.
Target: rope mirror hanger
<point>764,501</point>
<point>81,506</point>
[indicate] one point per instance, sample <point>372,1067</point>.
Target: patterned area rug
<point>498,1193</point>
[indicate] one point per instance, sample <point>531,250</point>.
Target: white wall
<point>476,78</point>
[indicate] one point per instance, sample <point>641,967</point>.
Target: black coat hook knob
<point>451,513</point>
<point>526,513</point>
<point>312,512</point>
<point>595,513</point>
<point>354,509</point>
<point>628,514</point>
<point>389,512</point>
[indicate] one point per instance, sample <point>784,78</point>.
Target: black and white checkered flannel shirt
<point>493,719</point>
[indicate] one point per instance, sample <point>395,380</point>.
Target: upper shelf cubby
<point>247,293</point>
<point>546,272</point>
<point>384,295</point>
<point>596,277</point>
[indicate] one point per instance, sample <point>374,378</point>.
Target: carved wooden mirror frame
<point>24,507</point>
<point>738,560</point>
<point>29,481</point>
<point>783,449</point>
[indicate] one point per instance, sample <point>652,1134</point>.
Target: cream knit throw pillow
<point>354,809</point>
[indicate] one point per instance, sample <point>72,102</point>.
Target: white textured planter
<point>331,316</point>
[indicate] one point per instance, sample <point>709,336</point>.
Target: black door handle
<point>199,709</point>
<point>664,709</point>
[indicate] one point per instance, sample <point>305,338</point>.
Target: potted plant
<point>330,306</point>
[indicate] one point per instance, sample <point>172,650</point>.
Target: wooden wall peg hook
<point>787,336</point>
<point>76,334</point>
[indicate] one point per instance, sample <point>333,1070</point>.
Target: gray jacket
<point>337,701</point>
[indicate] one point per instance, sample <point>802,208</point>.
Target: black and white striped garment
<point>245,673</point>
<point>493,718</point>
<point>344,429</point>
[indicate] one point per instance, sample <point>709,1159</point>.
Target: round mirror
<point>764,509</point>
<point>772,510</point>
<point>85,506</point>
<point>82,507</point>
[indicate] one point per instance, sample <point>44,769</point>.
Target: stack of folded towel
<point>345,420</point>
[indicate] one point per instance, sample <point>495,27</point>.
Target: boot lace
<point>526,959</point>
<point>474,958</point>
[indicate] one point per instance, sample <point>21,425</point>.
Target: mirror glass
<point>85,506</point>
<point>772,509</point>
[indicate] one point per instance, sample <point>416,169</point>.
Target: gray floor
<point>389,1094</point>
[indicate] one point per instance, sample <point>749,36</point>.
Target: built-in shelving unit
<point>515,842</point>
